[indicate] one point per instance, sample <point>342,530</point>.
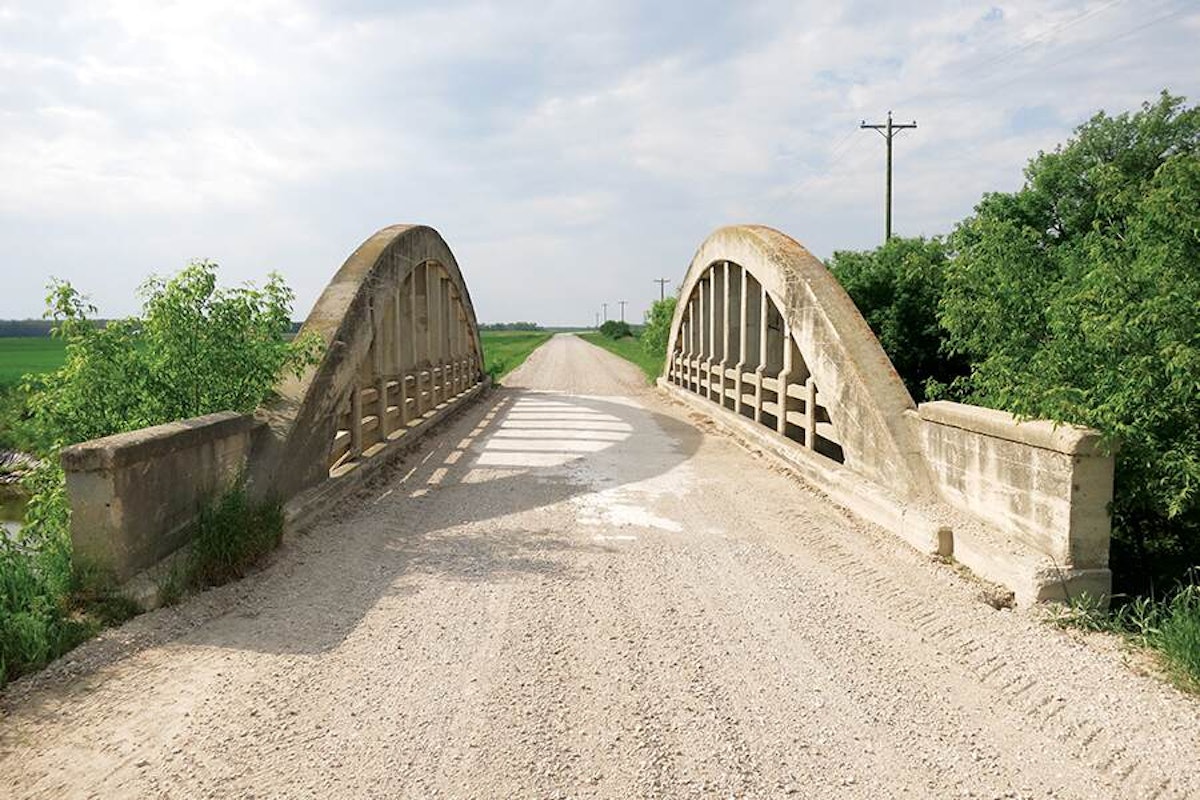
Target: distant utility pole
<point>605,311</point>
<point>888,131</point>
<point>662,288</point>
<point>622,302</point>
<point>597,319</point>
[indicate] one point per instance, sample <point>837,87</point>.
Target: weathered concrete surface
<point>400,353</point>
<point>569,596</point>
<point>1023,505</point>
<point>1049,485</point>
<point>134,495</point>
<point>865,396</point>
<point>292,453</point>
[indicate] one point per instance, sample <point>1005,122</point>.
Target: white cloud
<point>568,151</point>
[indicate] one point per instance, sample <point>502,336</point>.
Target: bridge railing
<point>765,338</point>
<point>401,352</point>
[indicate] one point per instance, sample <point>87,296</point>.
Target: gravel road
<point>586,593</point>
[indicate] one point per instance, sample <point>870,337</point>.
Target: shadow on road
<point>516,451</point>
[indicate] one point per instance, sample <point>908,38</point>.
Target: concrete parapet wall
<point>135,495</point>
<point>1049,484</point>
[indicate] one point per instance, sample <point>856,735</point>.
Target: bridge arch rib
<point>764,330</point>
<point>401,348</point>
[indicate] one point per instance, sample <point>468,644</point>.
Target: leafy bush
<point>616,329</point>
<point>657,333</point>
<point>1077,298</point>
<point>197,349</point>
<point>897,287</point>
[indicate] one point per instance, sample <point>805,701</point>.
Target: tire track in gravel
<point>659,614</point>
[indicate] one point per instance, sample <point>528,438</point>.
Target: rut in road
<point>575,590</point>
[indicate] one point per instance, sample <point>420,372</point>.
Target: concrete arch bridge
<point>744,582</point>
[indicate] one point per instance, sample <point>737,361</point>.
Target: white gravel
<point>587,595</point>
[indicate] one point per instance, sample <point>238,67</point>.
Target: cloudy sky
<point>569,152</point>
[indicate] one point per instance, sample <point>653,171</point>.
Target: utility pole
<point>662,288</point>
<point>622,302</point>
<point>597,320</point>
<point>888,131</point>
<point>605,311</point>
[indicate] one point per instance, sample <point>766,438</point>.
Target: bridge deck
<point>586,593</point>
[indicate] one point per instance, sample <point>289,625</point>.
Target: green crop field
<point>20,355</point>
<point>503,351</point>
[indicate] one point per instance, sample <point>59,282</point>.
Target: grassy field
<point>629,349</point>
<point>503,351</point>
<point>34,354</point>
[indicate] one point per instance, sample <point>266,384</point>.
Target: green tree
<point>616,329</point>
<point>196,349</point>
<point>1077,298</point>
<point>657,331</point>
<point>897,287</point>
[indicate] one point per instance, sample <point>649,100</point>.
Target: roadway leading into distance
<point>577,590</point>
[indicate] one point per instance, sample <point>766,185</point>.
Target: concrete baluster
<point>689,345</point>
<point>712,329</point>
<point>356,414</point>
<point>784,375</point>
<point>404,345</point>
<point>725,332</point>
<point>420,319</point>
<point>761,369</point>
<point>684,373</point>
<point>742,346</point>
<point>379,347</point>
<point>810,413</point>
<point>435,383</point>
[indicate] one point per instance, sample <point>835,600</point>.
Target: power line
<point>889,131</point>
<point>839,149</point>
<point>1031,41</point>
<point>662,288</point>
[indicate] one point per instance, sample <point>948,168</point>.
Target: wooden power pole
<point>888,131</point>
<point>662,288</point>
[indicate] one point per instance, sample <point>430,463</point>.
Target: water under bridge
<point>771,575</point>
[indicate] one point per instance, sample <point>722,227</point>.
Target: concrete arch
<point>841,397</point>
<point>401,347</point>
<point>764,333</point>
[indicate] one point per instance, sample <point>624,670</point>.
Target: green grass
<point>1170,628</point>
<point>21,355</point>
<point>48,604</point>
<point>232,535</point>
<point>629,349</point>
<point>504,351</point>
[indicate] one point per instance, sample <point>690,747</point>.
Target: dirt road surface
<point>588,595</point>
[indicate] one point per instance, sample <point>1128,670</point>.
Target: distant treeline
<point>510,326</point>
<point>35,328</point>
<point>28,328</point>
